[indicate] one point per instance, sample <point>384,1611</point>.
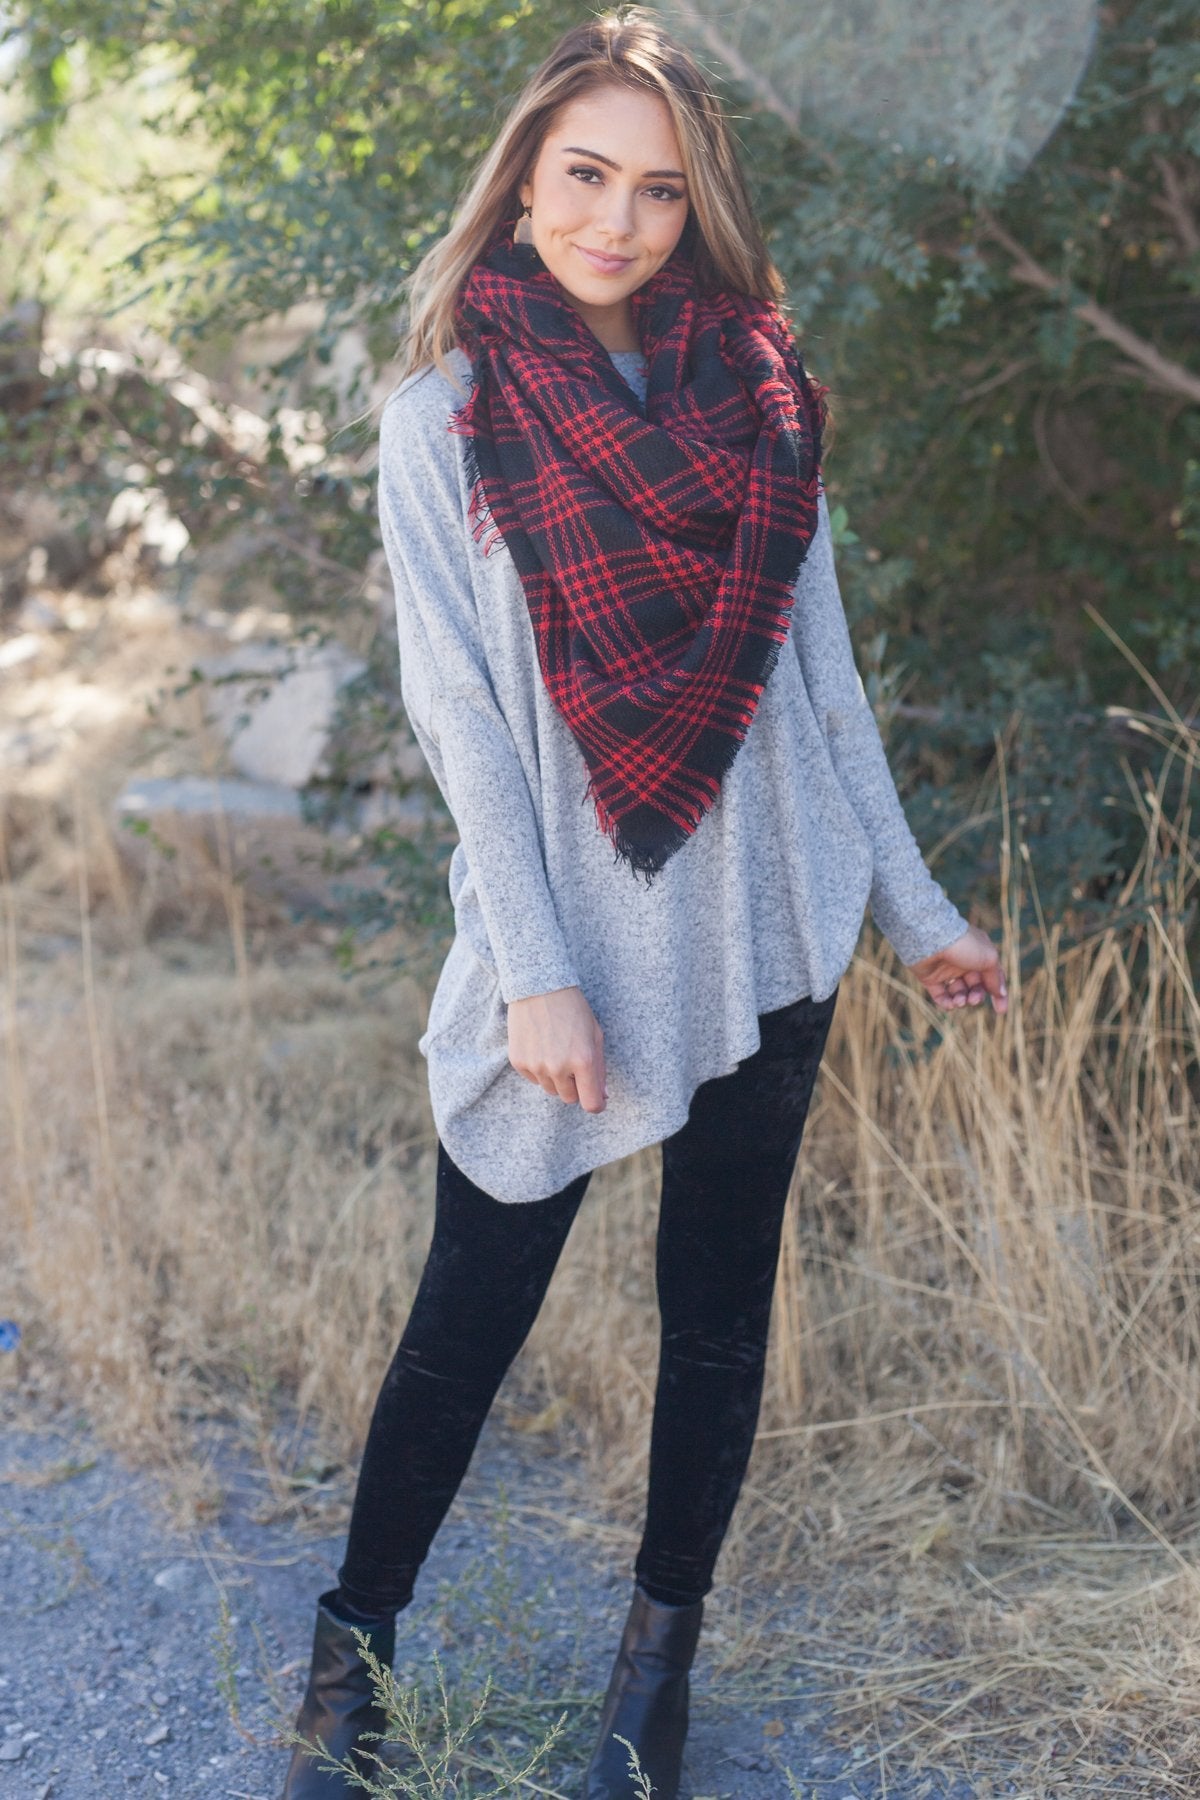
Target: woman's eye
<point>659,192</point>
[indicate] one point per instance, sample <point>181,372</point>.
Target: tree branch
<point>1175,203</point>
<point>1159,371</point>
<point>1000,378</point>
<point>1162,370</point>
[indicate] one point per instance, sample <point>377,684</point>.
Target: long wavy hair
<point>627,45</point>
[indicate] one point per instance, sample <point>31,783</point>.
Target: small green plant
<point>489,1602</point>
<point>641,1781</point>
<point>439,1748</point>
<point>225,1654</point>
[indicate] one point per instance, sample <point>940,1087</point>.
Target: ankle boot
<point>338,1707</point>
<point>647,1701</point>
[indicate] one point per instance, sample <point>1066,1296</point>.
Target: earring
<point>523,230</point>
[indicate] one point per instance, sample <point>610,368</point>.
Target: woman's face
<point>608,202</point>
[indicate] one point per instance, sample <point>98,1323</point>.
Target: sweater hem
<point>626,1144</point>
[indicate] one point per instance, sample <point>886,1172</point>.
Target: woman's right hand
<point>555,1040</point>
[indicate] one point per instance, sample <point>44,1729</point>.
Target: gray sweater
<point>762,905</point>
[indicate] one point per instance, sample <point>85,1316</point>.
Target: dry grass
<point>978,1446</point>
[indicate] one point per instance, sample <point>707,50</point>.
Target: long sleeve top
<point>761,906</point>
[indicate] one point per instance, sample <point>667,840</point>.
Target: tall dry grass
<point>985,1368</point>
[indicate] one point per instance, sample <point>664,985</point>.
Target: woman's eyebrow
<point>577,150</point>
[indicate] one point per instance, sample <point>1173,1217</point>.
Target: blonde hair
<point>628,46</point>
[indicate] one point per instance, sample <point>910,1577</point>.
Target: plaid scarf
<point>657,553</point>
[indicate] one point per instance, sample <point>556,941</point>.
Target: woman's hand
<point>555,1040</point>
<point>964,973</point>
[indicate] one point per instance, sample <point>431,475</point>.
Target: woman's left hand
<point>964,973</point>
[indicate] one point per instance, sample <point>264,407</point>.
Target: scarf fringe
<point>484,529</point>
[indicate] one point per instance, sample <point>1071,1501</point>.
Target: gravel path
<point>140,1659</point>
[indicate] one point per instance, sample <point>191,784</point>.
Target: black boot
<point>338,1707</point>
<point>647,1701</point>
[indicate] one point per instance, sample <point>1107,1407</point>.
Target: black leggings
<point>725,1179</point>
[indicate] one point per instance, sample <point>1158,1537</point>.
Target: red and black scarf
<point>657,553</point>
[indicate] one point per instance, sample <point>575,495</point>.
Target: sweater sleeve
<point>908,905</point>
<point>448,693</point>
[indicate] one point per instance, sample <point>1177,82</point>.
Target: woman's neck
<point>612,325</point>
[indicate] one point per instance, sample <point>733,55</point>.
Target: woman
<point>624,655</point>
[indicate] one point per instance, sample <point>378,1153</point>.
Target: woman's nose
<point>617,215</point>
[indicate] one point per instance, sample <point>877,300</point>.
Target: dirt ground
<point>144,1656</point>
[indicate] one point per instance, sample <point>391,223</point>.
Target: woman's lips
<point>604,265</point>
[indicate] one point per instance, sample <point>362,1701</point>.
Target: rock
<point>186,836</point>
<point>276,705</point>
<point>196,795</point>
<point>12,1750</point>
<point>176,1576</point>
<point>157,1734</point>
<point>21,649</point>
<point>145,510</point>
<point>749,1760</point>
<point>405,814</point>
